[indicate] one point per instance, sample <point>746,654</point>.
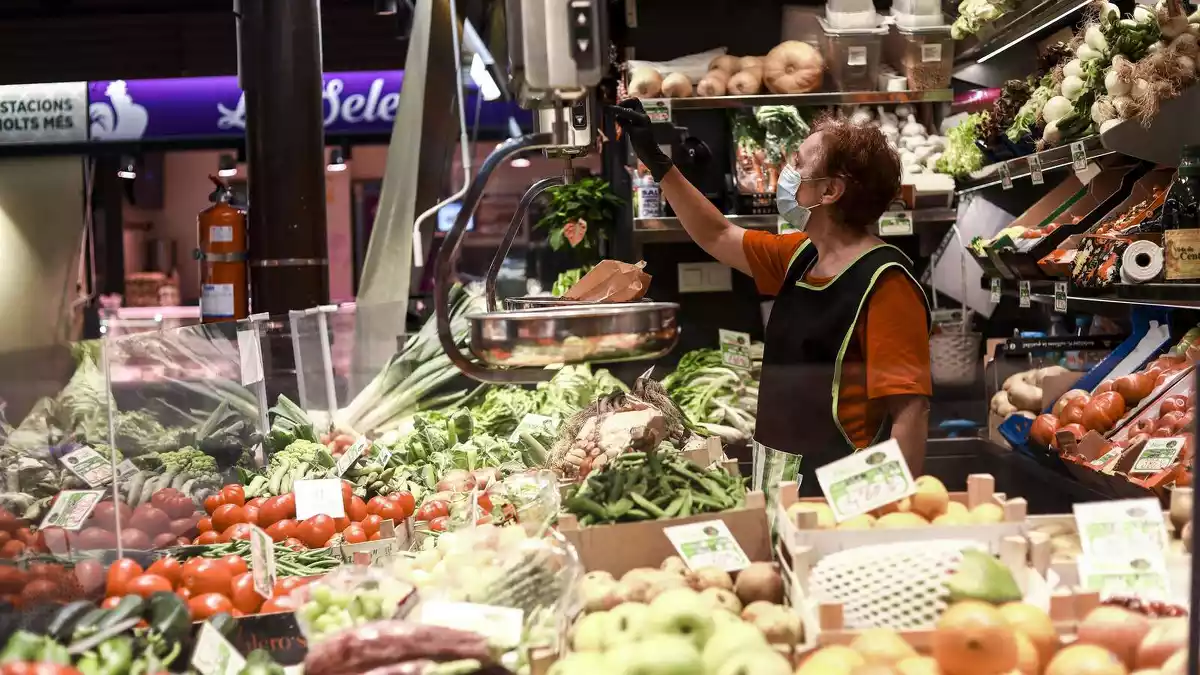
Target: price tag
<point>530,423</point>
<point>866,480</point>
<point>1079,161</point>
<point>1060,297</point>
<point>262,561</point>
<point>1023,294</point>
<point>931,52</point>
<point>657,109</point>
<point>896,224</point>
<point>995,290</point>
<point>72,508</point>
<point>213,655</point>
<point>1035,169</point>
<point>1110,530</point>
<point>707,544</point>
<point>1005,176</point>
<point>368,552</point>
<point>250,355</point>
<point>1102,463</point>
<point>1136,576</point>
<point>1157,454</point>
<point>856,56</point>
<point>319,497</point>
<point>351,455</point>
<point>735,348</point>
<point>126,470</point>
<point>502,626</point>
<point>92,467</point>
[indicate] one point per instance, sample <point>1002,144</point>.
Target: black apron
<point>806,343</point>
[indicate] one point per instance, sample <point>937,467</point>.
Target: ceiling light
<point>337,160</point>
<point>385,7</point>
<point>127,169</point>
<point>227,166</point>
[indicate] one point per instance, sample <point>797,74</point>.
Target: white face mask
<point>794,213</point>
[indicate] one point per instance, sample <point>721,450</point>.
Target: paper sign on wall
<point>707,544</point>
<point>866,480</point>
<point>319,497</point>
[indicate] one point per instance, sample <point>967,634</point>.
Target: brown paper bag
<point>612,281</point>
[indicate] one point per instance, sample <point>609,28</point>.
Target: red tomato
<point>136,540</point>
<point>317,530</point>
<point>357,509</point>
<point>233,494</point>
<point>276,509</point>
<point>434,508</point>
<point>354,534</point>
<point>294,543</point>
<point>370,524</point>
<point>160,498</point>
<point>439,524</point>
<point>12,549</point>
<point>164,540</point>
<point>110,602</point>
<point>169,568</point>
<point>204,525</point>
<point>55,540</point>
<point>211,503</point>
<point>183,593</point>
<point>40,591</point>
<point>25,536</point>
<point>209,537</point>
<point>283,603</point>
<point>340,524</point>
<point>227,515</point>
<point>206,605</point>
<point>406,500</point>
<point>375,504</point>
<point>392,510</point>
<point>207,576</point>
<point>285,585</point>
<point>181,506</point>
<point>257,502</point>
<point>483,520</point>
<point>243,595</point>
<point>251,513</point>
<point>119,574</point>
<point>6,537</point>
<point>484,502</point>
<point>288,503</point>
<point>93,538</point>
<point>40,570</point>
<point>90,575</point>
<point>145,585</point>
<point>283,529</point>
<point>347,494</point>
<point>235,532</point>
<point>236,564</point>
<point>374,537</point>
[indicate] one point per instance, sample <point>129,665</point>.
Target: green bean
<point>647,505</point>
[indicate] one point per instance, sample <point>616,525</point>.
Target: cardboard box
<point>619,548</point>
<point>611,281</point>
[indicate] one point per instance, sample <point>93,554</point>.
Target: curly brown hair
<point>863,159</point>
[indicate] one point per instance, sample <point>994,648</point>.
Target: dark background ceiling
<point>72,40</point>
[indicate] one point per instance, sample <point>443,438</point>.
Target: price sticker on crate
<point>321,497</point>
<point>657,109</point>
<point>1035,169</point>
<point>1006,175</point>
<point>1079,160</point>
<point>72,508</point>
<point>707,544</point>
<point>1157,454</point>
<point>896,224</point>
<point>866,480</point>
<point>352,455</point>
<point>1060,297</point>
<point>735,348</point>
<point>1111,529</point>
<point>89,465</point>
<point>1023,294</point>
<point>262,561</point>
<point>995,290</point>
<point>214,655</point>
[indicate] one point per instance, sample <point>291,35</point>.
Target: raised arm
<point>703,222</point>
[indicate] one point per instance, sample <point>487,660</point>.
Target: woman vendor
<point>846,360</point>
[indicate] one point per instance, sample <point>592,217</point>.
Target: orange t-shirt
<point>889,354</point>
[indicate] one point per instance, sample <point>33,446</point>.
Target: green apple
<point>581,663</point>
<point>754,662</point>
<point>660,655</point>
<point>684,613</point>
<point>593,633</point>
<point>628,622</point>
<point>729,639</point>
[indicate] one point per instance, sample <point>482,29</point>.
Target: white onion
<point>1187,64</point>
<point>1073,67</point>
<point>1086,53</point>
<point>1125,107</point>
<point>1140,88</point>
<point>1072,87</point>
<point>1103,111</point>
<point>1094,37</point>
<point>1114,85</point>
<point>1056,108</point>
<point>1051,134</point>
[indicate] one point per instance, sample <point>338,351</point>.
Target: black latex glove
<point>637,126</point>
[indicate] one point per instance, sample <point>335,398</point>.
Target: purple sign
<point>191,107</point>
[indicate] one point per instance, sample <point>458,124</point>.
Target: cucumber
<point>62,627</point>
<point>169,615</point>
<point>90,622</point>
<point>130,607</point>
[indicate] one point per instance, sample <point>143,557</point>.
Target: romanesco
<point>303,451</point>
<point>188,460</point>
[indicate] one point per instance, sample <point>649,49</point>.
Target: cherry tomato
<point>243,595</point>
<point>357,509</point>
<point>370,524</point>
<point>434,508</point>
<point>237,531</point>
<point>208,576</point>
<point>236,564</point>
<point>110,602</point>
<point>295,544</point>
<point>283,603</point>
<point>226,515</point>
<point>406,501</point>
<point>233,494</point>
<point>251,513</point>
<point>439,524</point>
<point>209,537</point>
<point>207,605</point>
<point>317,530</point>
<point>204,525</point>
<point>354,534</point>
<point>119,574</point>
<point>169,568</point>
<point>145,585</point>
<point>212,502</point>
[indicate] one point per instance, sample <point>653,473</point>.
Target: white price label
<point>1035,169</point>
<point>89,465</point>
<point>995,290</point>
<point>71,509</point>
<point>856,56</point>
<point>866,480</point>
<point>126,470</point>
<point>1110,530</point>
<point>735,348</point>
<point>1006,176</point>
<point>896,224</point>
<point>319,497</point>
<point>351,455</point>
<point>213,655</point>
<point>250,355</point>
<point>216,300</point>
<point>931,52</point>
<point>1023,293</point>
<point>657,109</point>
<point>501,625</point>
<point>220,233</point>
<point>1079,161</point>
<point>1134,575</point>
<point>262,561</point>
<point>707,544</point>
<point>1060,297</point>
<point>368,552</point>
<point>1158,454</point>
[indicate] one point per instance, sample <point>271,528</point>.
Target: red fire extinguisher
<point>224,291</point>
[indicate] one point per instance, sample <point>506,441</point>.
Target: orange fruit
<point>1034,624</point>
<point>972,638</point>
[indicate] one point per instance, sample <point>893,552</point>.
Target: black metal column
<point>280,43</point>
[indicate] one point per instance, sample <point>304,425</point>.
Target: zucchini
<point>134,490</point>
<point>169,615</point>
<point>62,627</point>
<point>90,622</point>
<point>130,607</point>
